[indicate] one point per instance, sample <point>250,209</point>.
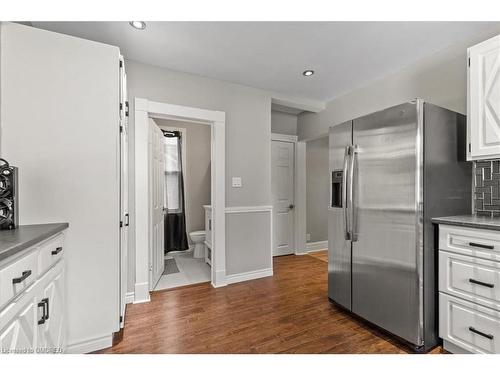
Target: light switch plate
<point>237,182</point>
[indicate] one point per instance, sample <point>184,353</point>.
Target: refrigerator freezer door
<point>339,248</point>
<point>385,264</point>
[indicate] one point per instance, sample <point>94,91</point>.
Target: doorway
<point>187,153</point>
<point>149,252</point>
<point>283,193</point>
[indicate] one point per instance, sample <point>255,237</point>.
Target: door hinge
<point>151,267</point>
<point>121,64</point>
<point>121,319</point>
<point>126,108</point>
<point>121,106</point>
<point>469,148</point>
<point>121,128</point>
<point>468,61</point>
<point>121,224</point>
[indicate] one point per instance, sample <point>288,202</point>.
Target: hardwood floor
<point>286,313</point>
<point>321,255</point>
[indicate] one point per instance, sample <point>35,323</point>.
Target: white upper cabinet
<point>483,104</point>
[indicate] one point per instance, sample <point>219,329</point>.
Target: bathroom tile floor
<point>191,271</point>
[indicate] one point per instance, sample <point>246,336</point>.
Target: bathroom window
<point>173,173</point>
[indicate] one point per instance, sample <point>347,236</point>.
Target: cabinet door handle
<point>488,285</point>
<point>487,335</point>
<point>46,302</point>
<point>480,245</point>
<point>20,279</point>
<point>42,305</point>
<point>57,250</point>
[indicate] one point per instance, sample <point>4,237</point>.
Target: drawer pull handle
<point>24,276</point>
<point>489,247</point>
<point>487,335</point>
<point>488,285</point>
<point>56,251</point>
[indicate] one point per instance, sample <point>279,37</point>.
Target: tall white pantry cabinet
<point>62,109</point>
<point>483,100</point>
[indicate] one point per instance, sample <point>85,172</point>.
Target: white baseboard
<point>317,246</point>
<point>245,276</point>
<point>129,297</point>
<point>219,279</point>
<point>90,345</point>
<point>141,293</point>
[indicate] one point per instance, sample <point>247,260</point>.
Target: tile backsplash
<point>487,187</point>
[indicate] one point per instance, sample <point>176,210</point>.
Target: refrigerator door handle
<point>353,225</point>
<point>347,234</point>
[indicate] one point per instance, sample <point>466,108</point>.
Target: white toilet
<point>198,238</point>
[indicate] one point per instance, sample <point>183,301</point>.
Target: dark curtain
<point>175,217</point>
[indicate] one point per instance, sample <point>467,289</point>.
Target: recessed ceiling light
<point>140,25</point>
<point>308,72</point>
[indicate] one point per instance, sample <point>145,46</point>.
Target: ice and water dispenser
<point>336,189</point>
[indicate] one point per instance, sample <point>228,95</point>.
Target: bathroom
<point>187,148</point>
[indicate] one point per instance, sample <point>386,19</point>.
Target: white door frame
<point>216,119</point>
<point>299,191</point>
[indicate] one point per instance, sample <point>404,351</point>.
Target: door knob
<point>291,207</point>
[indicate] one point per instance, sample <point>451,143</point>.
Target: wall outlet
<point>237,182</point>
<point>308,237</point>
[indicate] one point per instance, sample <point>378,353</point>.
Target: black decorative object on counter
<point>487,188</point>
<point>9,201</point>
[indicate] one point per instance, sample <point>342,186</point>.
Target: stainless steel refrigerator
<point>391,172</point>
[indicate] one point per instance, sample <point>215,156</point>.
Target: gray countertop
<point>15,240</point>
<point>472,221</point>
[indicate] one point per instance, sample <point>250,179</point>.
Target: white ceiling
<point>272,55</point>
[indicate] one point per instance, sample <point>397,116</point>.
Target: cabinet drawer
<point>479,243</point>
<point>471,278</point>
<point>50,252</point>
<point>468,325</point>
<point>15,277</point>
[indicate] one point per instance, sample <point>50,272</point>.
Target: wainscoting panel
<point>248,242</point>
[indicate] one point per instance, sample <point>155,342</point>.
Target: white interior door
<point>282,180</point>
<point>157,197</point>
<point>124,214</point>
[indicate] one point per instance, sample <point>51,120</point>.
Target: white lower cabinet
<point>51,332</point>
<point>469,326</point>
<point>18,333</point>
<point>469,290</point>
<point>34,320</point>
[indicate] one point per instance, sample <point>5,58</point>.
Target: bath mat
<point>170,266</point>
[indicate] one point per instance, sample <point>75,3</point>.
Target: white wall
<point>283,123</point>
<point>440,79</point>
<point>248,133</point>
<point>317,189</point>
<point>197,145</point>
<point>60,126</point>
